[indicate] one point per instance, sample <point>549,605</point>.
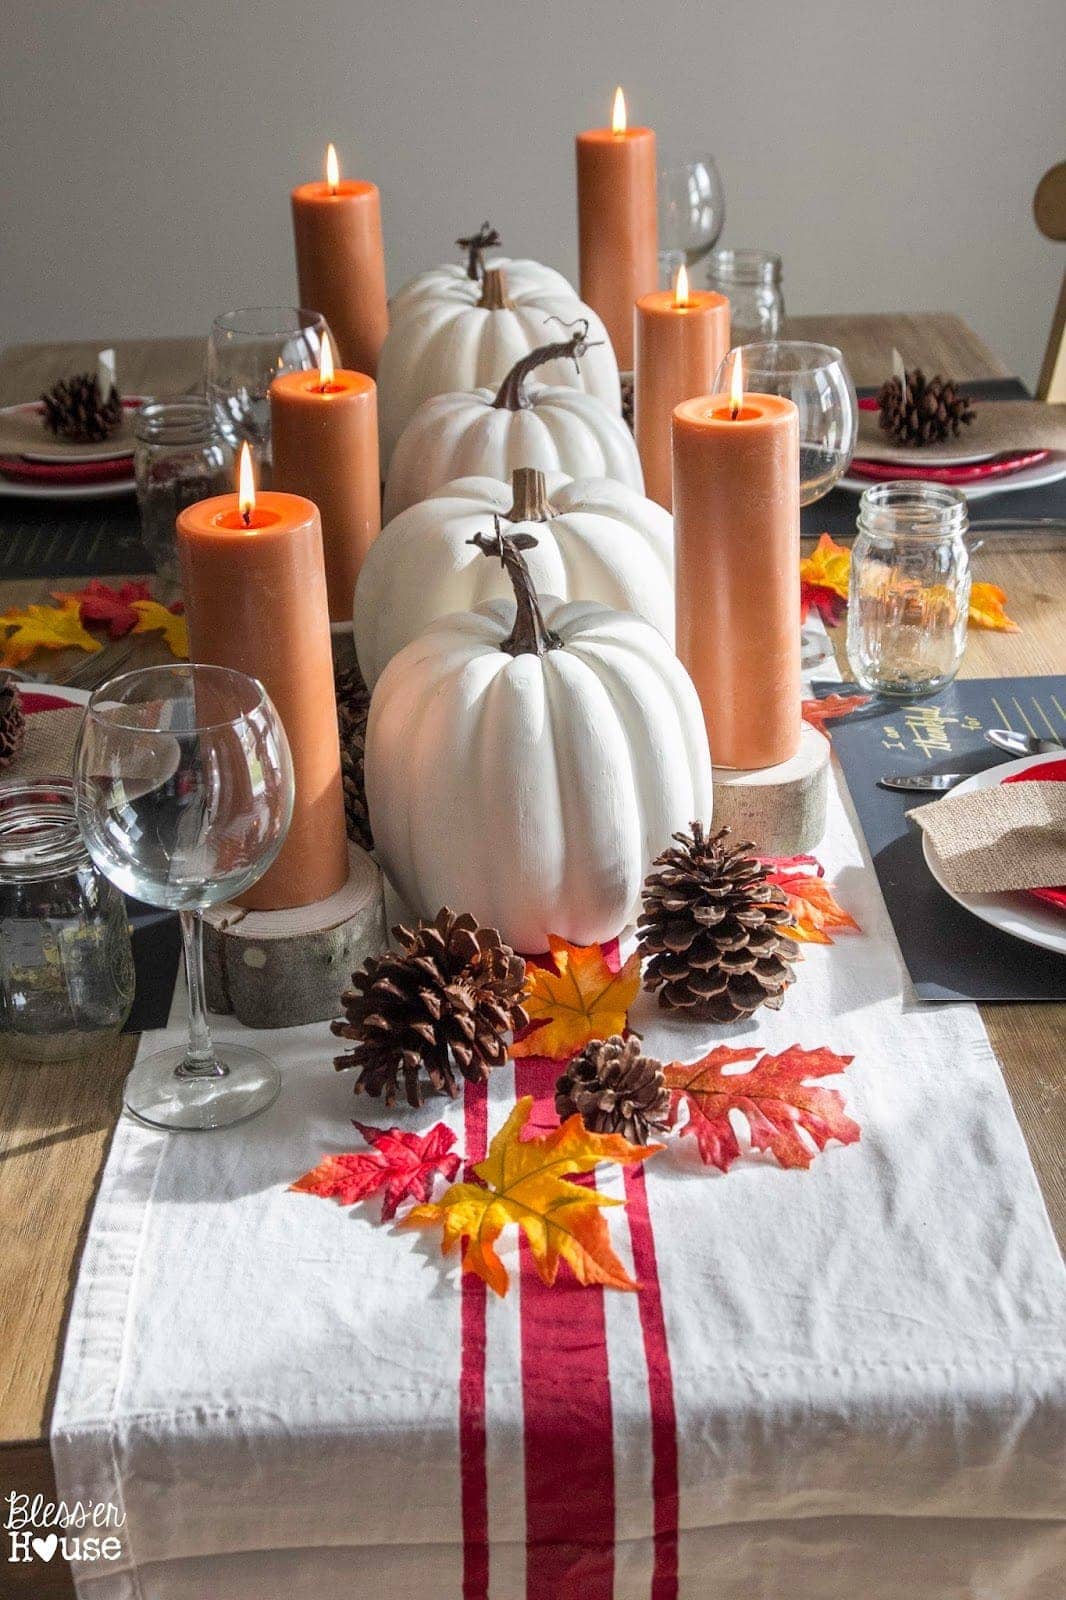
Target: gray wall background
<point>887,148</point>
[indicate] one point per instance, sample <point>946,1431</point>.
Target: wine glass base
<point>156,1096</point>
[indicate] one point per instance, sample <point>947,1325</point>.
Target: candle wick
<point>246,516</point>
<point>734,412</point>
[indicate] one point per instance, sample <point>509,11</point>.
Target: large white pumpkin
<point>527,763</point>
<point>471,335</point>
<point>596,540</point>
<point>491,432</point>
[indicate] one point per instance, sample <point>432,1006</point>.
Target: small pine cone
<point>614,1089</point>
<point>12,723</point>
<point>628,401</point>
<point>75,409</point>
<point>713,929</point>
<point>442,1004</point>
<point>353,708</point>
<point>930,411</point>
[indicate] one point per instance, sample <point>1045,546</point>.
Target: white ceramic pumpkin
<point>596,540</point>
<point>528,760</point>
<point>525,276</point>
<point>490,432</point>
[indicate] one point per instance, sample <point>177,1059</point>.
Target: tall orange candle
<point>340,262</point>
<point>324,427</point>
<point>617,225</point>
<point>681,336</point>
<point>255,599</point>
<point>737,542</point>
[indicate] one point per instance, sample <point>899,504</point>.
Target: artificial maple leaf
<point>43,628</point>
<point>99,603</point>
<point>773,1096</point>
<point>819,712</point>
<point>578,999</point>
<point>811,900</point>
<point>987,601</point>
<point>402,1165</point>
<point>829,605</point>
<point>828,566</point>
<point>153,617</point>
<point>524,1181</point>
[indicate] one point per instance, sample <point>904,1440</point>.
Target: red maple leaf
<point>773,1096</point>
<point>100,604</point>
<point>819,712</point>
<point>829,605</point>
<point>402,1165</point>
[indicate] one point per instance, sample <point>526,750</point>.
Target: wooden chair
<point>1049,209</point>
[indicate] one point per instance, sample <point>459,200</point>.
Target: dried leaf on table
<point>399,1164</point>
<point>811,900</point>
<point>987,602</point>
<point>774,1097</point>
<point>828,566</point>
<point>578,999</point>
<point>819,712</point>
<point>153,617</point>
<point>99,603</point>
<point>43,628</point>
<point>524,1181</point>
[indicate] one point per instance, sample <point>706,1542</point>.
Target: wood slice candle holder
<point>280,969</point>
<point>781,809</point>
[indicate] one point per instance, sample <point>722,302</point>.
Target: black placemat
<point>156,937</point>
<point>71,538</point>
<point>950,954</point>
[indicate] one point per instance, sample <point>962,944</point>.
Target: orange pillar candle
<point>617,226</point>
<point>340,263</point>
<point>737,542</point>
<point>324,427</point>
<point>255,599</point>
<point>681,336</point>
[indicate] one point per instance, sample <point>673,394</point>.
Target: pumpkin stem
<point>512,396</point>
<point>486,238</point>
<point>494,290</point>
<point>530,496</point>
<point>530,635</point>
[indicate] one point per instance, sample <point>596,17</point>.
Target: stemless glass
<point>184,794</point>
<point>815,377</point>
<point>691,213</point>
<point>246,351</point>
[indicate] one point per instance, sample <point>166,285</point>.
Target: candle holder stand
<point>781,809</point>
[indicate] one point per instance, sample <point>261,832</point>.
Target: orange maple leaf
<point>828,566</point>
<point>43,628</point>
<point>811,901</point>
<point>773,1096</point>
<point>987,602</point>
<point>578,999</point>
<point>524,1181</point>
<point>819,712</point>
<point>399,1164</point>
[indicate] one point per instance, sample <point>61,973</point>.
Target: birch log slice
<point>780,809</point>
<point>279,969</point>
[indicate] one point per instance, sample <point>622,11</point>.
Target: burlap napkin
<point>999,426</point>
<point>49,748</point>
<point>993,840</point>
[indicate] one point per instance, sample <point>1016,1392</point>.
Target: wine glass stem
<point>200,1059</point>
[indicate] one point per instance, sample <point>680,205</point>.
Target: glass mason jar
<point>66,964</point>
<point>751,282</point>
<point>179,457</point>
<point>910,588</point>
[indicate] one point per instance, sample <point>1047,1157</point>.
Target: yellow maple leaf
<point>525,1183</point>
<point>987,602</point>
<point>581,999</point>
<point>828,566</point>
<point>43,628</point>
<point>155,618</point>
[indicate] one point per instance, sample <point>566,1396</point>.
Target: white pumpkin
<point>490,432</point>
<point>596,540</point>
<point>526,762</point>
<point>524,276</point>
<point>471,335</point>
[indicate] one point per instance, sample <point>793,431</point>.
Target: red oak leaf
<point>811,900</point>
<point>99,604</point>
<point>819,712</point>
<point>402,1165</point>
<point>773,1096</point>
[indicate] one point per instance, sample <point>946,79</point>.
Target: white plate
<point>52,452</point>
<point>66,491</point>
<point>1018,914</point>
<point>1049,471</point>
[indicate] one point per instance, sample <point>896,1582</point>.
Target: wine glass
<point>246,351</point>
<point>184,793</point>
<point>691,212</point>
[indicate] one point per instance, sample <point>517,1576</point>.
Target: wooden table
<point>56,1122</point>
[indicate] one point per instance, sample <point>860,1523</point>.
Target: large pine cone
<point>614,1089</point>
<point>931,411</point>
<point>12,722</point>
<point>443,1003</point>
<point>712,926</point>
<point>75,409</point>
<point>353,708</point>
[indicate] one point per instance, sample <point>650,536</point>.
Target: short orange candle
<point>681,336</point>
<point>737,542</point>
<point>617,224</point>
<point>255,599</point>
<point>340,263</point>
<point>324,428</point>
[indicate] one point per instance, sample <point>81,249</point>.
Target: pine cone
<point>353,707</point>
<point>75,409</point>
<point>712,926</point>
<point>627,402</point>
<point>931,410</point>
<point>12,722</point>
<point>614,1089</point>
<point>444,1003</point>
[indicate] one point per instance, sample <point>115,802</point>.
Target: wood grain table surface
<point>56,1121</point>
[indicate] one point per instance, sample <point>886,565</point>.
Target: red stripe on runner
<point>566,1397</point>
<point>473,1475</point>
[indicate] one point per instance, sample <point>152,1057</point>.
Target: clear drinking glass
<point>816,379</point>
<point>691,213</point>
<point>246,351</point>
<point>178,458</point>
<point>184,793</point>
<point>910,588</point>
<point>751,282</point>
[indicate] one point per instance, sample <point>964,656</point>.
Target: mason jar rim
<point>910,509</point>
<point>745,266</point>
<point>177,419</point>
<point>39,833</point>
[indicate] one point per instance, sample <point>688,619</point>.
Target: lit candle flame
<point>618,115</point>
<point>333,171</point>
<point>245,485</point>
<point>736,386</point>
<point>681,286</point>
<point>325,363</point>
